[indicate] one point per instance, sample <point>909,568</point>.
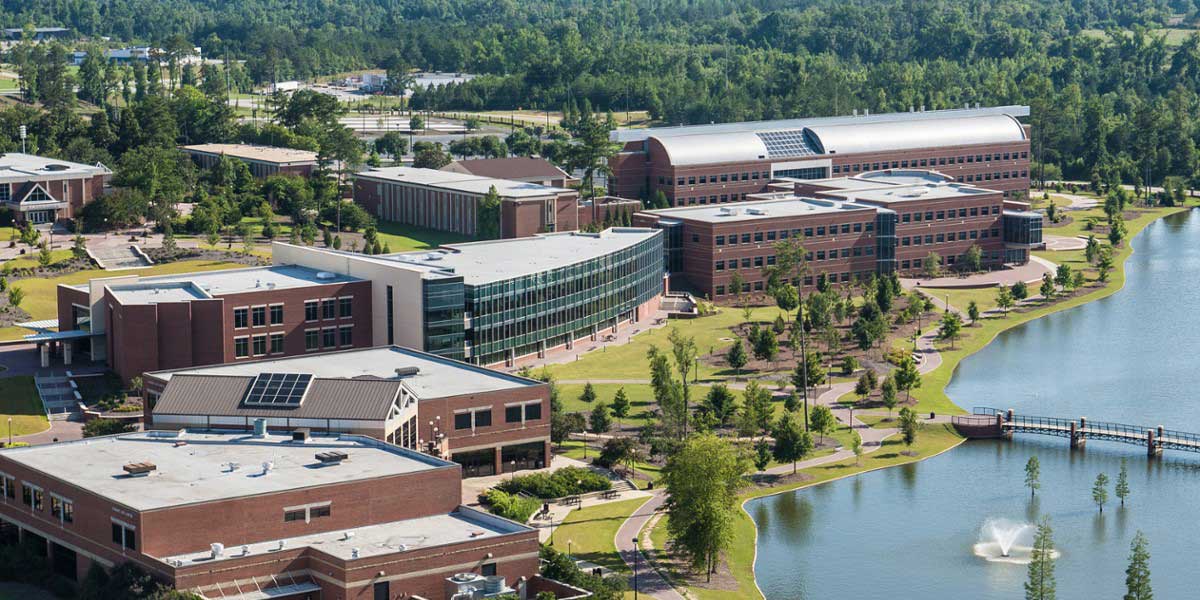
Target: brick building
<point>494,302</point>
<point>226,514</point>
<point>850,227</point>
<point>449,201</point>
<point>42,190</point>
<point>140,324</point>
<point>263,161</point>
<point>487,421</point>
<point>721,163</point>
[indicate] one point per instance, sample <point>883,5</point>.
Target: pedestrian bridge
<point>986,422</point>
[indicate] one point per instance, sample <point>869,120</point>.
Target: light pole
<point>635,568</point>
<point>10,431</point>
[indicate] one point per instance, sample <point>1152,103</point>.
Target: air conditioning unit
<point>470,586</point>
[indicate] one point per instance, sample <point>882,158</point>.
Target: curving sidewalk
<point>649,581</point>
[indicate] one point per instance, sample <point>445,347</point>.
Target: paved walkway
<point>61,430</point>
<point>1059,243</point>
<point>649,581</point>
<point>1029,272</point>
<point>604,339</point>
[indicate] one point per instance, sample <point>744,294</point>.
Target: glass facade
<point>672,244</point>
<point>805,173</point>
<point>514,317</point>
<point>885,240</point>
<point>443,316</point>
<point>1023,228</point>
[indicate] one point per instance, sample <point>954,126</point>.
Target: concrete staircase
<point>57,394</point>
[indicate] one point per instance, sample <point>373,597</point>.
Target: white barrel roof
<point>904,135</point>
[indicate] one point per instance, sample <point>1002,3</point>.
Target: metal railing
<point>1098,430</point>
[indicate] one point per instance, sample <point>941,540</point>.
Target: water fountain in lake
<point>1005,541</point>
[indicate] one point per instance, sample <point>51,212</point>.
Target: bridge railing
<point>985,410</point>
<point>1036,422</point>
<point>1172,437</point>
<point>1116,429</point>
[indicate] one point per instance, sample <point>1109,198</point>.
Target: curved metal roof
<point>904,135</point>
<point>709,148</point>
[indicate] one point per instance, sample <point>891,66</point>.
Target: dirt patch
<point>768,480</point>
<point>1063,221</point>
<point>159,255</point>
<point>682,574</point>
<point>11,315</point>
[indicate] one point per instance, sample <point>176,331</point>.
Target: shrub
<point>567,481</point>
<point>98,427</point>
<point>510,506</point>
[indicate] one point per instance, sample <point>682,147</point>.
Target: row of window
<point>258,345</point>
<point>939,238</point>
<point>257,315</point>
<point>482,417</point>
<point>307,512</point>
<point>943,215</point>
<point>930,162</point>
<point>716,178</point>
<point>770,236</point>
<point>987,256</point>
<point>759,286</point>
<point>34,497</point>
<point>329,308</point>
<point>994,176</point>
<point>329,337</point>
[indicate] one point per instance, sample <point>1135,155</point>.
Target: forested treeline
<point>1118,106</point>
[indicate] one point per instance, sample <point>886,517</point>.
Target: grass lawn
<point>403,238</point>
<point>19,401</point>
<point>641,398</point>
<point>574,449</point>
<point>629,361</point>
<point>30,260</point>
<point>41,294</point>
<point>590,531</point>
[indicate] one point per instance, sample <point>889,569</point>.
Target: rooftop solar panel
<point>787,143</point>
<point>278,389</point>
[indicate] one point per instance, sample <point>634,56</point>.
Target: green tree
<point>931,266</point>
<point>756,410</point>
<point>809,373</point>
<point>1020,291</point>
<point>766,346</point>
<point>1040,584</point>
<point>762,455</point>
<point>98,427</point>
<point>620,404</point>
<point>16,295</point>
<point>1104,264</point>
<point>888,394</point>
<point>599,421</point>
<point>1047,287</point>
<point>1092,251</point>
<point>822,421</point>
<point>488,227</point>
<point>907,377</point>
<point>736,357</point>
<point>1100,491</point>
<point>950,327</point>
<point>909,425</point>
<point>792,402</point>
<point>973,311</point>
<point>684,350</point>
<point>856,446</point>
<point>589,393</point>
<point>720,403</point>
<point>792,442</point>
<point>1033,474</point>
<point>1137,574</point>
<point>787,298</point>
<point>972,259</point>
<point>1004,299</point>
<point>416,124</point>
<point>702,481</point>
<point>429,155</point>
<point>44,255</point>
<point>591,148</point>
<point>1122,487</point>
<point>863,387</point>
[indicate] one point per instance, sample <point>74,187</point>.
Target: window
<point>241,347</point>
<point>312,339</point>
<point>277,314</point>
<point>345,306</point>
<point>124,535</point>
<point>328,308</point>
<point>745,263</point>
<point>483,418</point>
<point>820,231</point>
<point>276,343</point>
<point>488,570</point>
<point>306,513</point>
<point>10,487</point>
<point>470,419</point>
<point>293,515</point>
<point>905,218</point>
<point>720,240</point>
<point>770,236</point>
<point>317,512</point>
<point>62,509</point>
<point>31,495</point>
<point>858,227</point>
<point>720,290</point>
<point>260,345</point>
<point>758,261</point>
<point>258,316</point>
<point>346,335</point>
<point>941,214</point>
<point>720,265</point>
<point>310,310</point>
<point>329,337</point>
<point>513,414</point>
<point>745,238</point>
<point>820,255</point>
<point>808,232</point>
<point>240,318</point>
<point>758,236</point>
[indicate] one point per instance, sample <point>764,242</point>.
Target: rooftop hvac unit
<point>433,256</point>
<point>217,550</point>
<point>469,586</point>
<point>407,371</point>
<point>325,275</point>
<point>267,467</point>
<point>756,211</point>
<point>141,469</point>
<point>260,428</point>
<point>332,457</point>
<point>300,435</point>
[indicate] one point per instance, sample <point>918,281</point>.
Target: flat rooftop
<point>462,525</point>
<point>271,154</point>
<point>461,182</point>
<point>906,193</point>
<point>199,470</point>
<point>485,262</point>
<point>437,377</point>
<point>777,205</point>
<point>209,284</point>
<point>15,166</point>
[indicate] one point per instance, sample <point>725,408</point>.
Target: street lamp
<point>635,568</point>
<point>10,431</point>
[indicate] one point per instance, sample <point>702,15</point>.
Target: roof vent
<point>354,553</point>
<point>433,256</point>
<point>267,467</point>
<point>325,275</point>
<point>141,469</point>
<point>755,211</point>
<point>300,435</point>
<point>217,550</point>
<point>347,535</point>
<point>332,457</point>
<point>407,371</point>
<point>57,167</point>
